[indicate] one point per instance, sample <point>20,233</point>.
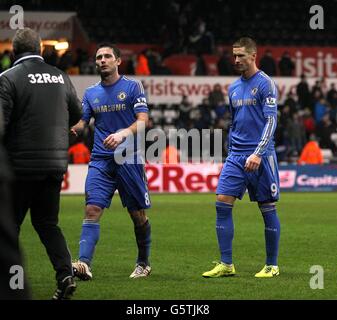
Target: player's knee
<point>266,204</point>
<point>138,217</point>
<point>267,207</point>
<point>93,212</point>
<point>225,198</point>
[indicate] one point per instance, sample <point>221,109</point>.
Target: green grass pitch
<point>184,245</point>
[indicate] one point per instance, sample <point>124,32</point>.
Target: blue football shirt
<point>113,107</point>
<point>253,105</point>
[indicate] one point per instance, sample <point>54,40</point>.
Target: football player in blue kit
<point>119,107</point>
<point>251,163</point>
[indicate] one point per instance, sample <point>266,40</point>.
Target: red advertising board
<point>198,178</point>
<point>312,61</point>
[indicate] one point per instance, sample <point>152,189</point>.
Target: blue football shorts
<point>105,177</point>
<point>263,184</point>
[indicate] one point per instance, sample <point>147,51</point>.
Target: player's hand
<point>113,140</point>
<point>252,163</point>
<point>78,128</point>
<point>73,131</point>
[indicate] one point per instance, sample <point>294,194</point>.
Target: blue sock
<point>271,232</point>
<point>88,240</point>
<point>224,230</point>
<point>143,238</point>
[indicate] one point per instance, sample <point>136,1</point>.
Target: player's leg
<point>99,189</point>
<point>88,240</point>
<point>264,188</point>
<point>132,187</point>
<point>231,186</point>
<point>225,226</point>
<point>272,237</point>
<point>44,215</point>
<point>142,228</point>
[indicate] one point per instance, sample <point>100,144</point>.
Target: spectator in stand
<point>267,64</point>
<point>79,153</point>
<point>291,102</point>
<point>162,69</point>
<point>185,108</point>
<point>159,67</point>
<point>286,65</point>
<point>217,100</point>
<point>311,153</point>
<point>200,66</point>
<point>296,134</point>
<point>303,93</point>
<point>320,109</point>
<point>201,41</point>
<point>152,60</point>
<point>81,57</point>
<point>333,114</point>
<point>142,66</point>
<point>5,61</point>
<point>50,55</point>
<point>88,66</point>
<point>205,117</point>
<point>131,64</point>
<point>332,96</point>
<point>225,65</point>
<point>216,97</point>
<point>324,130</point>
<point>285,121</point>
<point>317,91</point>
<point>66,61</point>
<point>308,122</point>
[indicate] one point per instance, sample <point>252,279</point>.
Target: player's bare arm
<point>78,128</point>
<point>114,139</point>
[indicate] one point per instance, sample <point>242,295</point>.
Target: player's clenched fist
<point>252,163</point>
<point>113,140</point>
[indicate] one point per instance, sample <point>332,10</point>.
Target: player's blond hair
<point>248,43</point>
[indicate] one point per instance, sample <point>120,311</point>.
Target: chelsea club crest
<point>253,92</point>
<point>121,96</point>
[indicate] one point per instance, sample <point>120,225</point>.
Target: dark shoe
<point>65,289</point>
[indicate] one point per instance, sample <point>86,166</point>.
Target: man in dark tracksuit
<point>9,248</point>
<point>39,104</point>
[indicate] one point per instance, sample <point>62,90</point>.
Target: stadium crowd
<point>199,28</point>
<point>308,114</point>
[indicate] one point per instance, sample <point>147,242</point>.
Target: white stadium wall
<point>169,89</point>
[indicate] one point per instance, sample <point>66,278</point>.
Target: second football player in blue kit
<point>252,162</point>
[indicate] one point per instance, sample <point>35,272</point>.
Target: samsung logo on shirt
<point>41,78</point>
<point>110,108</point>
<point>244,102</point>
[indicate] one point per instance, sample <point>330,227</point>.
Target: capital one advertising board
<point>196,178</point>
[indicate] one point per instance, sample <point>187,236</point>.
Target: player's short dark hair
<point>26,40</point>
<point>246,42</point>
<point>115,49</point>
